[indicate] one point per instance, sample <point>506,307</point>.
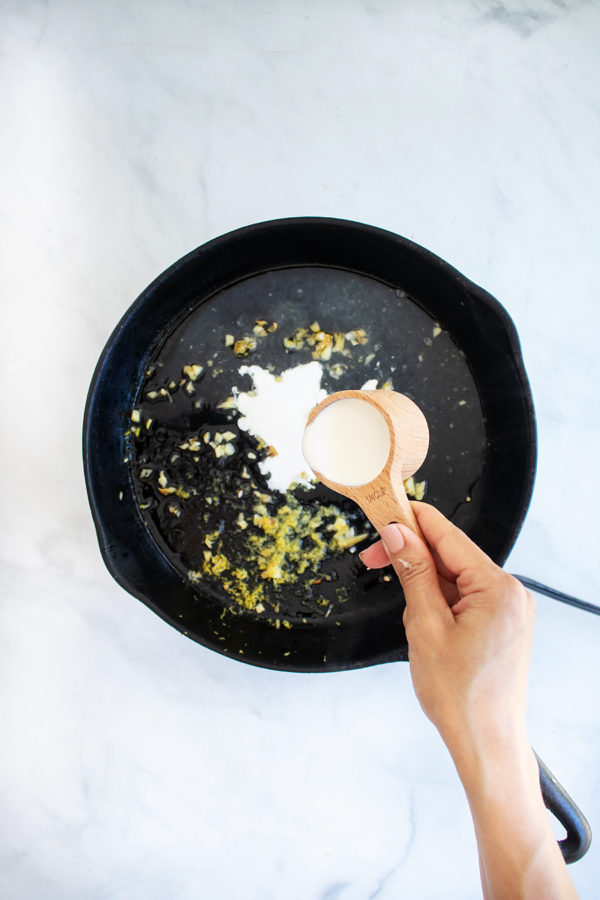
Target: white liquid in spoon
<point>348,442</point>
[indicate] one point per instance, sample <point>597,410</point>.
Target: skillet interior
<point>468,380</point>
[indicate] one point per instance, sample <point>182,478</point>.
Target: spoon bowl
<point>371,450</point>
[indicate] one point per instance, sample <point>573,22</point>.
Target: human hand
<point>469,627</point>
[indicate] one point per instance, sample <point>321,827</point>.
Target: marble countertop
<point>134,764</point>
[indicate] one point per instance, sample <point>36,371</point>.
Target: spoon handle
<point>384,502</point>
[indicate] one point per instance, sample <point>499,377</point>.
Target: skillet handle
<point>557,801</point>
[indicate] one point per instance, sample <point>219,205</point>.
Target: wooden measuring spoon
<point>358,448</point>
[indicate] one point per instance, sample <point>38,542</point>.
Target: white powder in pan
<point>275,411</point>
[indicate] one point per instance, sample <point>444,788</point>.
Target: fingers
<point>416,570</point>
<point>436,530</point>
<point>448,555</point>
<point>375,556</point>
<point>450,550</point>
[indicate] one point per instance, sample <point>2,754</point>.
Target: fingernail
<point>392,538</point>
<point>364,562</point>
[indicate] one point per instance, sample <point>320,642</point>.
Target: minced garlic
<point>415,489</point>
<point>193,372</point>
<point>244,346</point>
<point>287,541</point>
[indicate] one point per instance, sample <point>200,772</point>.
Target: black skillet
<point>435,335</point>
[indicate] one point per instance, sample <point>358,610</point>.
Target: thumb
<point>414,566</point>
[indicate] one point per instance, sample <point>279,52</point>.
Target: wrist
<point>519,855</point>
<point>491,761</point>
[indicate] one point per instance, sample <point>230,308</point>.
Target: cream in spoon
<point>364,445</point>
<point>348,442</point>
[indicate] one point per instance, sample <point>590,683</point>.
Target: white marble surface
<point>135,765</point>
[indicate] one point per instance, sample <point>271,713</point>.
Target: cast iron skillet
<point>442,340</point>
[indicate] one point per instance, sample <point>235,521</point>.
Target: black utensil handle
<point>557,801</point>
<point>557,595</point>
